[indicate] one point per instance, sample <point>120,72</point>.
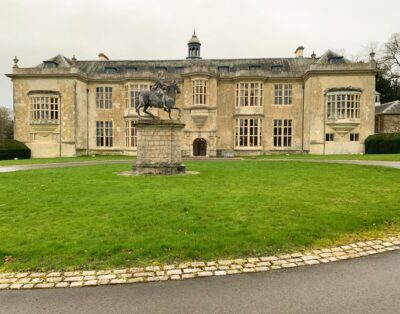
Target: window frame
<point>104,97</point>
<point>249,94</point>
<point>354,137</point>
<point>248,133</point>
<point>130,134</point>
<point>282,133</point>
<point>329,137</point>
<point>199,91</point>
<point>343,105</point>
<point>283,94</point>
<point>104,133</point>
<point>132,90</point>
<point>45,108</point>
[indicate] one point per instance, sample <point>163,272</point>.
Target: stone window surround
<point>283,133</point>
<point>104,95</point>
<point>354,137</point>
<point>329,137</point>
<point>104,133</point>
<point>283,94</point>
<point>248,133</point>
<point>342,105</point>
<point>44,107</point>
<point>132,90</point>
<point>199,91</point>
<point>130,134</point>
<point>249,94</point>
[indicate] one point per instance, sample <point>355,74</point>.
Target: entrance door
<point>200,147</point>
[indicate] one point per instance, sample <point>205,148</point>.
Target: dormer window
<point>50,64</point>
<point>161,69</point>
<point>277,67</point>
<point>223,69</point>
<point>336,60</point>
<point>179,69</point>
<point>131,69</point>
<point>111,70</point>
<point>254,67</point>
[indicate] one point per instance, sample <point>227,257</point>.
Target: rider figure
<point>159,88</point>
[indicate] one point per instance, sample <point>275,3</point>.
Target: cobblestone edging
<point>33,280</point>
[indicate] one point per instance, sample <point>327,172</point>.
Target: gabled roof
<point>62,62</point>
<point>329,55</point>
<point>388,108</point>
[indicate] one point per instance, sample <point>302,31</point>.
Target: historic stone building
<point>387,117</point>
<point>320,105</point>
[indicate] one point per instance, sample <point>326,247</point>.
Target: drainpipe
<point>324,135</point>
<point>14,115</point>
<point>302,123</point>
<point>75,116</point>
<point>60,123</point>
<point>87,121</point>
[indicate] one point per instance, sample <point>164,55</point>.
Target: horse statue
<point>162,96</point>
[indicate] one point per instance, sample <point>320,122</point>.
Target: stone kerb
<point>158,147</point>
<point>195,269</point>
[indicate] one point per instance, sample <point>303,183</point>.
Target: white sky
<point>36,30</point>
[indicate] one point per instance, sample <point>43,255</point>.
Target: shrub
<point>10,149</point>
<point>383,143</point>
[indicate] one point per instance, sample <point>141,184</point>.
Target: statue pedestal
<point>159,147</point>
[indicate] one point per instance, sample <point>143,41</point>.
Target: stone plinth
<point>159,147</point>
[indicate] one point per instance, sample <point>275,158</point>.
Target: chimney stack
<point>103,57</point>
<point>299,52</point>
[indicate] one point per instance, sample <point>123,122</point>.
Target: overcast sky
<point>36,30</point>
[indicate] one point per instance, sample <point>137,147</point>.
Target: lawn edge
<point>190,270</point>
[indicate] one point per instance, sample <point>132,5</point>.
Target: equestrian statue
<point>160,95</point>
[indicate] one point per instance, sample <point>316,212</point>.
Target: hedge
<point>383,143</point>
<point>10,149</point>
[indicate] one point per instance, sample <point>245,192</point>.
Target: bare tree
<point>390,59</point>
<point>6,124</point>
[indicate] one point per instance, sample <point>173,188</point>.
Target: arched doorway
<point>199,147</point>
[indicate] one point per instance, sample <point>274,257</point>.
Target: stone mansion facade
<point>319,105</point>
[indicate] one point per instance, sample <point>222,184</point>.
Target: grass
<point>387,157</point>
<point>383,157</point>
<point>88,217</point>
<point>62,159</point>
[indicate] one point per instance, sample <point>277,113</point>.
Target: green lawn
<point>88,217</point>
<point>387,157</point>
<point>384,157</point>
<point>61,159</point>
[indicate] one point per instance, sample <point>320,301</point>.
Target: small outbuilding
<point>387,117</point>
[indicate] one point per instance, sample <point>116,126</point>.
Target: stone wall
<point>387,123</point>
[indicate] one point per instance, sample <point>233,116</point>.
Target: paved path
<point>92,163</point>
<point>365,285</point>
<point>61,165</point>
<point>390,164</point>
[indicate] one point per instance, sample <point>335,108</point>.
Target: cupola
<point>194,47</point>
